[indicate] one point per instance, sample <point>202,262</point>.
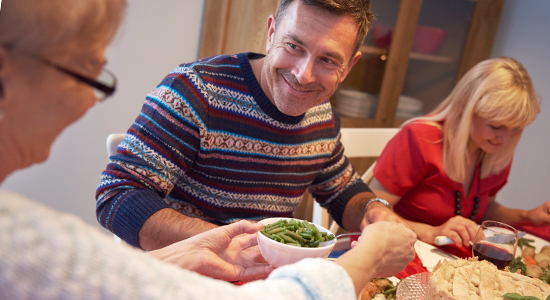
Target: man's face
<point>309,52</point>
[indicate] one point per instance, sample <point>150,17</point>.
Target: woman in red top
<point>442,171</point>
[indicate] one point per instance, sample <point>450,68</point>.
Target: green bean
<point>296,232</point>
<point>275,224</point>
<point>286,238</point>
<point>276,230</point>
<point>293,235</point>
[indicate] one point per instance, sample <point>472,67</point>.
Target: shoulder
<point>421,133</point>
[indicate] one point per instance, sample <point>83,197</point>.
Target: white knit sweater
<point>45,254</point>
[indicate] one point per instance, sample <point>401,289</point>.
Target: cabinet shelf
<point>413,55</point>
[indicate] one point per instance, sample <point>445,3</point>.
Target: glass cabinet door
<point>439,35</point>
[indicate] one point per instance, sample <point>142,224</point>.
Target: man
<point>243,136</point>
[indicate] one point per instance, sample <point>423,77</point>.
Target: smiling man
<point>243,136</point>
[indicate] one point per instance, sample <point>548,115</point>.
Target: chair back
<point>357,142</point>
<point>113,140</point>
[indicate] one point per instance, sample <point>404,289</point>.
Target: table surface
<point>427,256</point>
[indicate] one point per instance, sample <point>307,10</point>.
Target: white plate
<point>538,243</point>
<point>431,255</point>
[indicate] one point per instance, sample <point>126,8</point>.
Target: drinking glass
<point>496,242</point>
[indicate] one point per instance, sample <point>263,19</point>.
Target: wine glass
<point>496,242</point>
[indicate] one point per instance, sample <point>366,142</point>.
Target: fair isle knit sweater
<point>211,145</point>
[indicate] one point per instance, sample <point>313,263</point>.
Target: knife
<point>503,238</point>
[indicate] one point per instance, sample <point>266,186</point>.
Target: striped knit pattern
<point>209,144</point>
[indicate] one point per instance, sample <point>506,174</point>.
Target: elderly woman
<point>51,72</point>
<point>442,171</point>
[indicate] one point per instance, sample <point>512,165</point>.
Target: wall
<point>155,37</point>
<point>522,34</point>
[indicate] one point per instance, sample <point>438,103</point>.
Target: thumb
<point>241,227</point>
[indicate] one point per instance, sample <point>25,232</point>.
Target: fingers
<point>247,240</point>
<point>379,214</point>
<point>256,273</point>
<point>241,227</point>
<point>459,229</point>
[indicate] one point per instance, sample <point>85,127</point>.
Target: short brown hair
<point>358,9</point>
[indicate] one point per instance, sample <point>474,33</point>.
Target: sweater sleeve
<point>52,255</point>
<point>337,183</point>
<point>157,150</point>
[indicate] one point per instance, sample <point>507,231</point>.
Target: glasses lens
<point>108,79</point>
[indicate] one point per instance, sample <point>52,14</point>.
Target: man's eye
<point>291,45</point>
<point>495,127</point>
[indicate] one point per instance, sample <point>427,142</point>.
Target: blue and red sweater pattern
<point>209,144</point>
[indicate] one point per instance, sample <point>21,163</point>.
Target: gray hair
<point>41,25</point>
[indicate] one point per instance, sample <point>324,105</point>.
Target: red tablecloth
<point>414,267</point>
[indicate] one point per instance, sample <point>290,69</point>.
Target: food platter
<point>413,287</point>
<point>538,242</point>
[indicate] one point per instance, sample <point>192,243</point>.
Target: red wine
<point>499,257</point>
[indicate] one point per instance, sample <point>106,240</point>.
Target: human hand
<point>459,229</point>
<point>228,252</point>
<point>378,212</point>
<point>384,249</point>
<point>540,216</point>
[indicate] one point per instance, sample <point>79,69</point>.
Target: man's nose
<point>303,71</point>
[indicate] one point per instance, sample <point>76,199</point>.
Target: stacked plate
<point>354,104</point>
<point>408,107</point>
<point>357,104</point>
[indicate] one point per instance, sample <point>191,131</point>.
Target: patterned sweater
<point>210,144</point>
<point>45,254</point>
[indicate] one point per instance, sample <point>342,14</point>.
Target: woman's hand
<point>228,252</point>
<point>540,216</point>
<point>384,249</point>
<point>457,228</point>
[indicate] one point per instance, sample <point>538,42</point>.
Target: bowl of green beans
<point>285,241</point>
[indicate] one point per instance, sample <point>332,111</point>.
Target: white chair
<point>358,142</point>
<point>113,140</point>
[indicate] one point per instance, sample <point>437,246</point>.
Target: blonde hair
<point>38,26</point>
<point>499,90</point>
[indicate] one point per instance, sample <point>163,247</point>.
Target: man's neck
<point>257,67</point>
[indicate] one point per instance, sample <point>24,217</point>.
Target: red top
<point>411,167</point>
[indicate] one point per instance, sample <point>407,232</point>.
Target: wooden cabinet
<point>233,26</point>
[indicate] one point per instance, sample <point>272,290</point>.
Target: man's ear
<point>270,32</point>
<point>352,62</point>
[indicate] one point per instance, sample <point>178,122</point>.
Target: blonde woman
<point>442,171</point>
<point>51,72</point>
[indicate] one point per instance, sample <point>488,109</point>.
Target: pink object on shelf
<point>382,35</point>
<point>427,39</point>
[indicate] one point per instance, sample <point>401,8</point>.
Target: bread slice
<point>479,280</point>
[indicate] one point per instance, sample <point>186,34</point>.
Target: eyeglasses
<point>104,86</point>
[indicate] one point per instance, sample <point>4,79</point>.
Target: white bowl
<point>278,254</point>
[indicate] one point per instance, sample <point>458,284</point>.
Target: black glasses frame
<point>107,90</point>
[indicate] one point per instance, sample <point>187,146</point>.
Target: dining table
<point>427,256</point>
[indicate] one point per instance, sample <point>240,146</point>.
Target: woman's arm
<point>539,216</point>
<point>458,229</point>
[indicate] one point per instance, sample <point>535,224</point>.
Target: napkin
<point>430,255</point>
